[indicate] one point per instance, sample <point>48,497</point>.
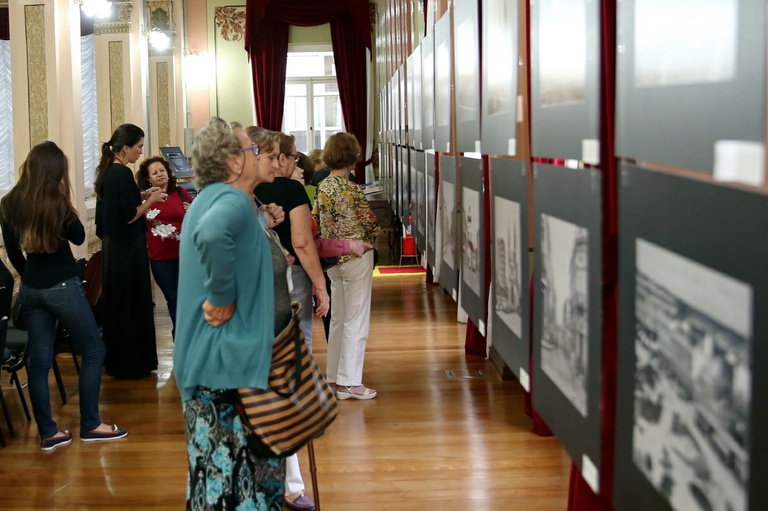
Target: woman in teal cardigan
<point>226,318</point>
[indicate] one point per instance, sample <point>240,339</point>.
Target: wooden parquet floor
<point>427,442</point>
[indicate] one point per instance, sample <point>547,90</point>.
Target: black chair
<point>14,358</point>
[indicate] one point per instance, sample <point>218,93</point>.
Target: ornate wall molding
<point>163,105</point>
<point>37,77</point>
<point>116,84</point>
<point>231,22</point>
<point>118,23</point>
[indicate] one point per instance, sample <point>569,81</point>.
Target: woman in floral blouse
<point>342,212</point>
<point>164,227</point>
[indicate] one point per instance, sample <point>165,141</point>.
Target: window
<point>312,104</point>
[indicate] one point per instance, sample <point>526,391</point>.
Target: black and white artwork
<point>685,42</point>
<point>690,76</point>
<point>562,51</point>
<point>508,250</point>
<point>448,223</point>
<point>499,77</point>
<point>565,296</point>
<point>443,86</point>
<point>467,75</point>
<point>471,239</point>
<point>693,374</point>
<point>428,91</point>
<point>500,20</point>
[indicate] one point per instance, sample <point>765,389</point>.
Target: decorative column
<point>165,84</point>
<point>121,63</point>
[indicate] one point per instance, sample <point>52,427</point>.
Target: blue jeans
<point>166,275</point>
<point>302,293</point>
<point>66,303</point>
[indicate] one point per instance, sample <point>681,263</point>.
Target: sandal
<point>358,392</point>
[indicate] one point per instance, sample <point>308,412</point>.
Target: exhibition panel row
<point>610,249</point>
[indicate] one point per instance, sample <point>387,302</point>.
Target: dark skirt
<point>223,474</point>
<point>128,317</point>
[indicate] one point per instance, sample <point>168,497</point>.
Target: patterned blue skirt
<point>223,474</point>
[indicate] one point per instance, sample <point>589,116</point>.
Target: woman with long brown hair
<point>38,219</point>
<point>129,323</point>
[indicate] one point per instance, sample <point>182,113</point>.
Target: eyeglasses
<point>295,156</point>
<point>253,147</point>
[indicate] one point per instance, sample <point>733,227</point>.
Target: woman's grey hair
<point>213,146</point>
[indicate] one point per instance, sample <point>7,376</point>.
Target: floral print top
<point>164,227</point>
<point>342,212</point>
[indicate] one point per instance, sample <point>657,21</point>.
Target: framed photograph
<point>448,232</point>
<point>567,311</point>
<point>499,87</point>
<point>565,74</point>
<point>466,34</point>
<point>510,269</point>
<point>431,176</point>
<point>690,391</point>
<point>689,75</point>
<point>443,79</point>
<point>419,200</point>
<point>403,86</point>
<point>474,299</point>
<point>394,111</point>
<point>428,91</point>
<point>414,94</point>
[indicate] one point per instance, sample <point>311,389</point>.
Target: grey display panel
<point>473,243</point>
<point>415,106</point>
<point>689,75</point>
<point>499,87</point>
<point>568,310</point>
<point>431,162</point>
<point>405,188</point>
<point>419,200</point>
<point>466,33</point>
<point>510,327</point>
<point>565,86</point>
<point>178,162</point>
<point>690,413</point>
<point>428,91</point>
<point>447,242</point>
<point>443,73</point>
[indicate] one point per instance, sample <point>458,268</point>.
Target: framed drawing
<point>565,79</point>
<point>499,88</point>
<point>443,84</point>
<point>690,76</point>
<point>414,94</point>
<point>474,299</point>
<point>567,311</point>
<point>428,91</point>
<point>690,411</point>
<point>466,34</point>
<point>449,232</point>
<point>510,329</point>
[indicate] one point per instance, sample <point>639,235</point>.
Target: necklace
<point>119,160</point>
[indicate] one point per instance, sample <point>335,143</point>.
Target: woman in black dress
<point>128,321</point>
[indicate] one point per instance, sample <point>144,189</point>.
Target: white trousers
<point>293,481</point>
<point>350,319</point>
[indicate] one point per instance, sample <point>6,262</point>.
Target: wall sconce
<point>96,8</point>
<point>158,40</point>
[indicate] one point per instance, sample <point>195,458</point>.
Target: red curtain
<point>5,26</point>
<point>266,40</point>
